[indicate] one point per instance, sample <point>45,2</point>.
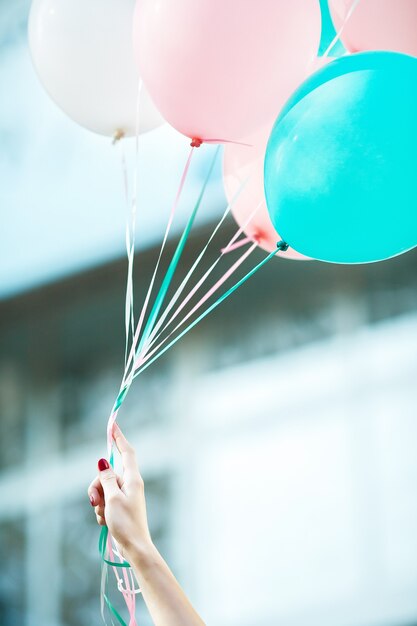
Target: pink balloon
<point>216,68</point>
<point>377,24</point>
<point>243,175</point>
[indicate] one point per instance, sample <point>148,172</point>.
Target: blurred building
<point>277,442</point>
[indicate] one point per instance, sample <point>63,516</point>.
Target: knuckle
<point>137,482</point>
<point>107,477</point>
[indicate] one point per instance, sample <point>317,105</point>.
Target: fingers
<point>108,480</point>
<point>95,492</point>
<point>101,519</point>
<point>127,452</point>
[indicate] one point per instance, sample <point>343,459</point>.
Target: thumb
<point>108,479</point>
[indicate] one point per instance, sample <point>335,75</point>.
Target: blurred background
<point>277,440</point>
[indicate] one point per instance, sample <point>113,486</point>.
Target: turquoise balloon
<point>341,162</point>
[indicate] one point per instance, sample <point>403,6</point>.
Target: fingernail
<point>103,465</point>
<point>91,500</point>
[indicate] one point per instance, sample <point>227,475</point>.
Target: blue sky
<point>62,203</point>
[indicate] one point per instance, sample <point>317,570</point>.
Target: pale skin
<point>119,503</point>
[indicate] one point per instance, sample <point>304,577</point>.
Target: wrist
<point>141,554</point>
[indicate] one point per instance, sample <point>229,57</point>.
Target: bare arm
<point>119,503</point>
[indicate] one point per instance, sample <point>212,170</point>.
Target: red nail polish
<point>103,465</point>
<point>91,501</point>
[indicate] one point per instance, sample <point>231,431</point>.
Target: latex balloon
<point>244,186</point>
<point>340,174</point>
<point>243,176</point>
<point>216,69</point>
<point>377,24</point>
<point>83,53</point>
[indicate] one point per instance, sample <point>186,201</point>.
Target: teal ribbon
<point>281,245</point>
<point>102,549</point>
<point>159,300</point>
<point>114,611</point>
<point>148,329</point>
<point>328,33</point>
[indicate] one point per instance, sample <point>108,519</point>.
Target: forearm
<point>167,603</point>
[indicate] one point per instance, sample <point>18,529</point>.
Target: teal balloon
<point>341,162</point>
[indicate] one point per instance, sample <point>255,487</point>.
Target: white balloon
<point>83,53</point>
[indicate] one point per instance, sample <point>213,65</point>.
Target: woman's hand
<point>119,501</point>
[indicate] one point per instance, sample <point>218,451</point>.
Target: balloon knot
<point>258,236</point>
<point>196,142</point>
<point>282,246</point>
<point>118,135</point>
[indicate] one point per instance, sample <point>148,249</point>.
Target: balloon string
<point>126,596</point>
<point>169,274</point>
<point>151,285</point>
<point>152,338</point>
<point>145,356</point>
<point>236,245</point>
<point>129,310</point>
<point>342,28</point>
<point>130,602</point>
<point>105,541</point>
<point>174,261</point>
<point>127,380</point>
<point>191,271</point>
<point>129,287</point>
<point>182,286</point>
<point>147,360</point>
<point>128,377</point>
<point>181,306</point>
<point>129,593</point>
<point>222,141</point>
<point>129,322</point>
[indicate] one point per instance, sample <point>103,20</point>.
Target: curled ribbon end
<point>127,591</point>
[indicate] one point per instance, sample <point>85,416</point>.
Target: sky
<point>62,201</point>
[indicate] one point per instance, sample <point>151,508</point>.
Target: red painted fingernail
<point>102,465</point>
<point>91,500</point>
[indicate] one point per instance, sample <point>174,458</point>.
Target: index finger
<point>95,493</point>
<point>127,452</point>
